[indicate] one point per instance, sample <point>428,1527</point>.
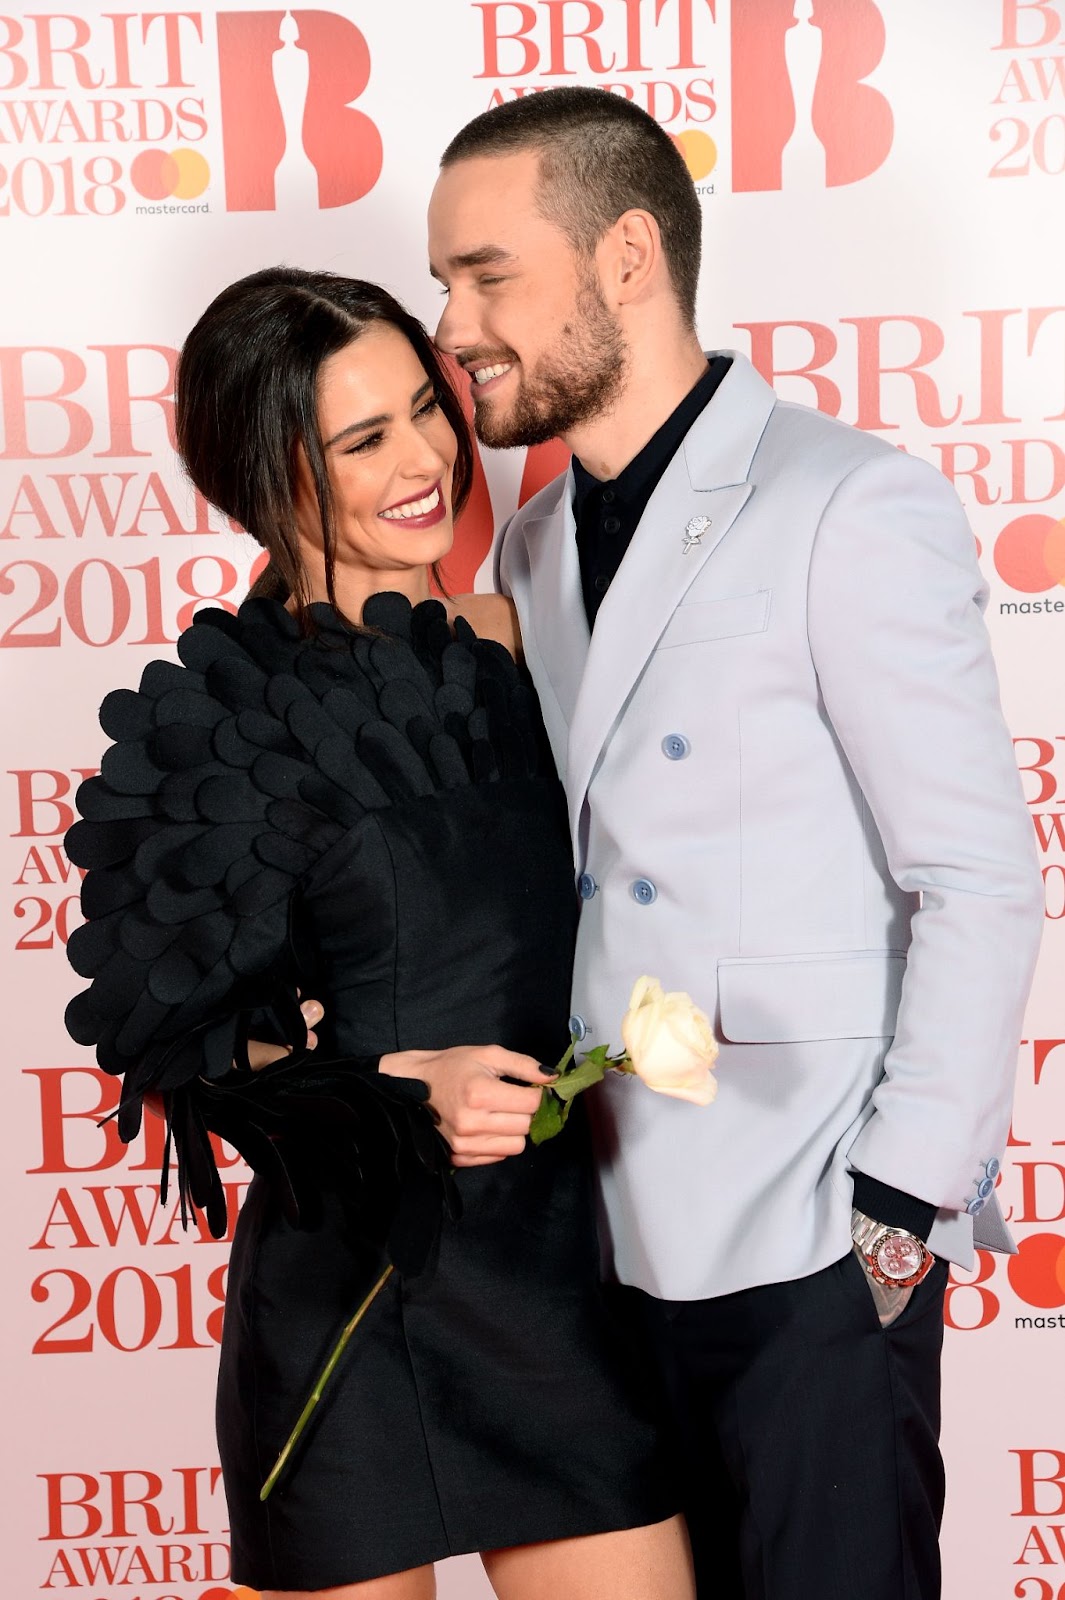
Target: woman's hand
<point>259,1055</point>
<point>482,1118</point>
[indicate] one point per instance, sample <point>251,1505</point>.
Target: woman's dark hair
<point>247,397</point>
<point>600,156</point>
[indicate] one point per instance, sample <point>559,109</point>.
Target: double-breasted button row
<point>642,889</point>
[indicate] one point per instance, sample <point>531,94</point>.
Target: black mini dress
<point>370,817</point>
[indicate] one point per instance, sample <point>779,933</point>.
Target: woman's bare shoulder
<point>491,616</point>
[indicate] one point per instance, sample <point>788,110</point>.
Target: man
<point>758,643</point>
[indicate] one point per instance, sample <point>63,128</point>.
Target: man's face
<point>525,314</point>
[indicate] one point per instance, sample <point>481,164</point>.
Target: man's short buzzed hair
<point>600,156</point>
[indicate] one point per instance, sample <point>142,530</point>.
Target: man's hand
<point>482,1118</point>
<point>890,1301</point>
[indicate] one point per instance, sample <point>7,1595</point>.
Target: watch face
<point>899,1258</point>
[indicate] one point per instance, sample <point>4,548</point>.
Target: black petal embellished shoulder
<point>368,817</point>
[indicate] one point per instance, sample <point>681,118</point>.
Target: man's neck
<point>654,388</point>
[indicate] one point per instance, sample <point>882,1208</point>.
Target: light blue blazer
<point>793,794</point>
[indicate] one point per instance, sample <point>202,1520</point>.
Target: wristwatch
<point>893,1257</point>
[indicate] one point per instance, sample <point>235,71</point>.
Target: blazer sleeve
<point>895,617</point>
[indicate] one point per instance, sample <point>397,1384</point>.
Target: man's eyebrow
<point>488,255</point>
<point>375,422</point>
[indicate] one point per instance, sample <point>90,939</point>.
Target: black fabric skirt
<point>491,1402</point>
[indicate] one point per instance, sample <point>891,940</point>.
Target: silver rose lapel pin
<point>693,533</point>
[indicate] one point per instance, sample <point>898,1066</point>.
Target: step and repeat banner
<point>883,191</point>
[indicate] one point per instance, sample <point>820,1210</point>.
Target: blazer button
<point>577,1026</point>
<point>984,1188</point>
<point>644,891</point>
<point>975,1207</point>
<point>586,886</point>
<point>675,746</point>
<point>993,1167</point>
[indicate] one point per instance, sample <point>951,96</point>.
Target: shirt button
<point>993,1167</point>
<point>611,524</point>
<point>608,497</point>
<point>586,886</point>
<point>602,583</point>
<point>644,891</point>
<point>577,1026</point>
<point>675,746</point>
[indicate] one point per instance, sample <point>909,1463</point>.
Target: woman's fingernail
<point>311,1010</point>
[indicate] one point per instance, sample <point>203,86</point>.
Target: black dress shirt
<point>607,515</point>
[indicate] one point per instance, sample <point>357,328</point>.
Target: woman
<point>345,790</point>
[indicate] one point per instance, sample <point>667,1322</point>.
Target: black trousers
<point>807,1434</point>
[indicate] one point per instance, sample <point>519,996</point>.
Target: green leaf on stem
<point>548,1118</point>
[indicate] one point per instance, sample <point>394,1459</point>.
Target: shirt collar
<point>659,449</point>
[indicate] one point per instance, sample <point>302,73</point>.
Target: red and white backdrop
<point>883,188</point>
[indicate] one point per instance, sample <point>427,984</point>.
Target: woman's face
<point>390,454</point>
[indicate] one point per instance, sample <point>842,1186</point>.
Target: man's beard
<point>561,392</point>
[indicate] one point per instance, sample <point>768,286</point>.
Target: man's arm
<point>904,663</point>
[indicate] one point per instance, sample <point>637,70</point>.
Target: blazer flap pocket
<point>717,619</point>
<point>848,994</point>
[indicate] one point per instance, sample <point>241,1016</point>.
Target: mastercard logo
<point>1030,553</point>
<point>699,152</point>
<point>1037,1271</point>
<point>169,175</point>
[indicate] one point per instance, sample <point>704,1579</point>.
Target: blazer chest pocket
<point>847,994</point>
<point>727,618</point>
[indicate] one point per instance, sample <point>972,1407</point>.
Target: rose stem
<point>323,1379</point>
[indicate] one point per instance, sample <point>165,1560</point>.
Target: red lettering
<point>992,325</point>
<point>71,1140</point>
<point>122,1501</point>
<point>1036,320</point>
<point>987,1303</point>
<point>58,1525</point>
<point>1045,753</point>
<point>686,32</point>
<point>64,1214</point>
<point>16,403</point>
<point>871,370</point>
<point>48,49</point>
<point>172,21</point>
<point>31,824</point>
<point>981,460</point>
<point>1039,12</point>
<point>763,338</point>
<point>494,35</point>
<point>1030,1476</point>
<point>1022,473</point>
<point>1035,1176</point>
<point>121,398</point>
<point>558,35</point>
<point>18,67</point>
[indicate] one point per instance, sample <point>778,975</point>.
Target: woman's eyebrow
<point>375,422</point>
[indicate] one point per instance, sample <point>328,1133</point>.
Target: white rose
<point>670,1043</point>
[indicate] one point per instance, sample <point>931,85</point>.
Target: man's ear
<point>631,257</point>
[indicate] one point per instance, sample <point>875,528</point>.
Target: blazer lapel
<point>556,605</point>
<point>695,504</point>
